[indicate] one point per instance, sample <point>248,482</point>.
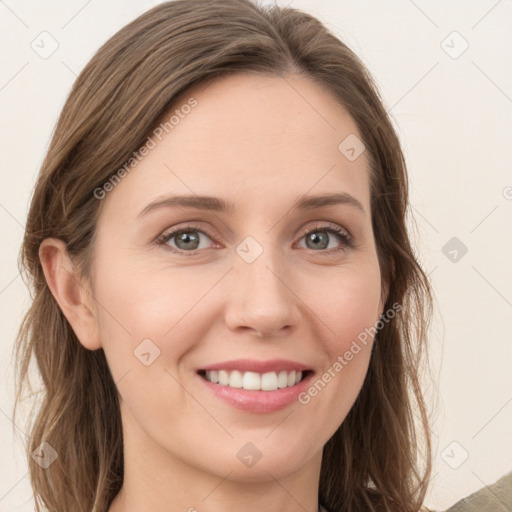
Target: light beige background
<point>454,117</point>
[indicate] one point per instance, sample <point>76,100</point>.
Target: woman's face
<point>246,296</point>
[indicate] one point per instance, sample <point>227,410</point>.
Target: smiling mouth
<point>253,381</point>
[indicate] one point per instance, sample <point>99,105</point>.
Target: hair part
<point>375,460</point>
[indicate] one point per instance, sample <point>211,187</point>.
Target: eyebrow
<point>220,205</point>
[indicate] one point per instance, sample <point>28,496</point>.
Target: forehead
<point>252,135</point>
<point>254,111</point>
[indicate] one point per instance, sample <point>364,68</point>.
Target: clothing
<point>496,497</point>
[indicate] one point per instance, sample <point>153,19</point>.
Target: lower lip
<point>258,401</point>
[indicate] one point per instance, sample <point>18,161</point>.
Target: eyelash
<point>347,242</point>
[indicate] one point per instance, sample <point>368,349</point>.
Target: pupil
<point>187,239</point>
<point>317,240</point>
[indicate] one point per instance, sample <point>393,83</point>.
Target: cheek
<point>349,307</point>
<point>348,304</point>
<point>162,306</point>
<point>138,312</point>
<point>146,303</point>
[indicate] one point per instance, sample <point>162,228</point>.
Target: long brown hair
<point>376,460</point>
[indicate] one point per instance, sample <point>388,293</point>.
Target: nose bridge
<point>262,298</point>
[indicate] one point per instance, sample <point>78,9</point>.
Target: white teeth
<point>269,381</point>
<point>251,380</point>
<point>282,380</point>
<point>223,378</point>
<point>235,380</point>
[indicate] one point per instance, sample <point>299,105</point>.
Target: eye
<point>186,239</point>
<point>318,237</point>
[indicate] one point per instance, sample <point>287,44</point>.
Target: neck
<point>156,481</point>
<point>144,493</point>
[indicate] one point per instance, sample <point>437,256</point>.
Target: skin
<point>271,143</point>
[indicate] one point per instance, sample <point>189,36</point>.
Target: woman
<point>227,312</point>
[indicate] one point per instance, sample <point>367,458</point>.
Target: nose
<point>261,300</point>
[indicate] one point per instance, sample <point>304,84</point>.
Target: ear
<point>73,297</point>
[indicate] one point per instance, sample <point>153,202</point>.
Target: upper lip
<point>258,366</point>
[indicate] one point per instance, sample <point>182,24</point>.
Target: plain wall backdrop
<point>444,69</point>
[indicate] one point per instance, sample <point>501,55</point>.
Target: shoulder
<point>496,497</point>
